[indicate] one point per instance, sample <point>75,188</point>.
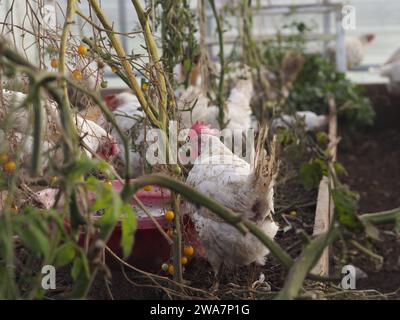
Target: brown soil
<point>373,164</point>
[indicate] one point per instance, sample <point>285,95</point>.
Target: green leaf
<point>322,138</point>
<point>34,238</point>
<point>397,226</point>
<point>76,268</point>
<point>311,174</point>
<point>129,225</point>
<point>80,268</point>
<point>346,204</point>
<point>64,255</point>
<point>340,169</point>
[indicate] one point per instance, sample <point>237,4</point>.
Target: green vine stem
<point>383,217</point>
<point>66,118</point>
<point>221,55</point>
<point>177,237</point>
<point>305,262</point>
<point>116,43</point>
<point>198,198</point>
<point>154,59</point>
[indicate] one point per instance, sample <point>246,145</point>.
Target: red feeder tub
<point>150,249</point>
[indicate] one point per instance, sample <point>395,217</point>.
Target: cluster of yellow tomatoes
<point>9,166</point>
<point>82,50</point>
<point>188,251</point>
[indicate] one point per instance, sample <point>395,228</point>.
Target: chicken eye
<point>140,109</point>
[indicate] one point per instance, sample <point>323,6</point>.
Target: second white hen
<point>94,139</point>
<point>195,106</point>
<point>130,118</point>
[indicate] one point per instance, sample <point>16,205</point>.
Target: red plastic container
<point>150,249</point>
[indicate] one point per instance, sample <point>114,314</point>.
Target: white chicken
<point>247,190</point>
<point>94,139</point>
<point>312,121</point>
<point>129,117</point>
<point>356,48</point>
<point>390,69</point>
<point>24,147</point>
<point>194,107</point>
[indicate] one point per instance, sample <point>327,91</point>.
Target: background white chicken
<point>312,121</point>
<point>94,139</point>
<point>246,189</point>
<point>391,69</point>
<point>130,118</point>
<point>195,106</point>
<point>356,48</point>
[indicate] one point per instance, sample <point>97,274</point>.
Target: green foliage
<point>346,205</point>
<point>312,172</point>
<point>65,254</point>
<point>317,81</point>
<point>129,225</point>
<point>33,230</point>
<point>178,34</point>
<point>322,138</point>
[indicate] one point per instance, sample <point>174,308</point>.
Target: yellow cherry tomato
<point>184,260</point>
<point>9,166</point>
<point>148,188</point>
<point>169,215</point>
<point>54,180</point>
<point>145,86</point>
<point>188,251</point>
<point>82,50</point>
<point>108,184</point>
<point>171,269</point>
<point>77,74</point>
<point>55,63</point>
<point>293,213</point>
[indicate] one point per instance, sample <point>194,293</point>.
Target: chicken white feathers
<point>92,135</point>
<point>130,117</point>
<point>312,121</point>
<point>195,106</point>
<point>356,48</point>
<point>240,186</point>
<point>390,70</point>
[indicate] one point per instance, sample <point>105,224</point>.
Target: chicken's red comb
<point>109,98</point>
<point>370,37</point>
<point>200,127</point>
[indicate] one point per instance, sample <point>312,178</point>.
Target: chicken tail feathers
<point>265,162</point>
<point>265,171</point>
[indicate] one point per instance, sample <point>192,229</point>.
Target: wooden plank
<point>324,210</point>
<point>323,215</point>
